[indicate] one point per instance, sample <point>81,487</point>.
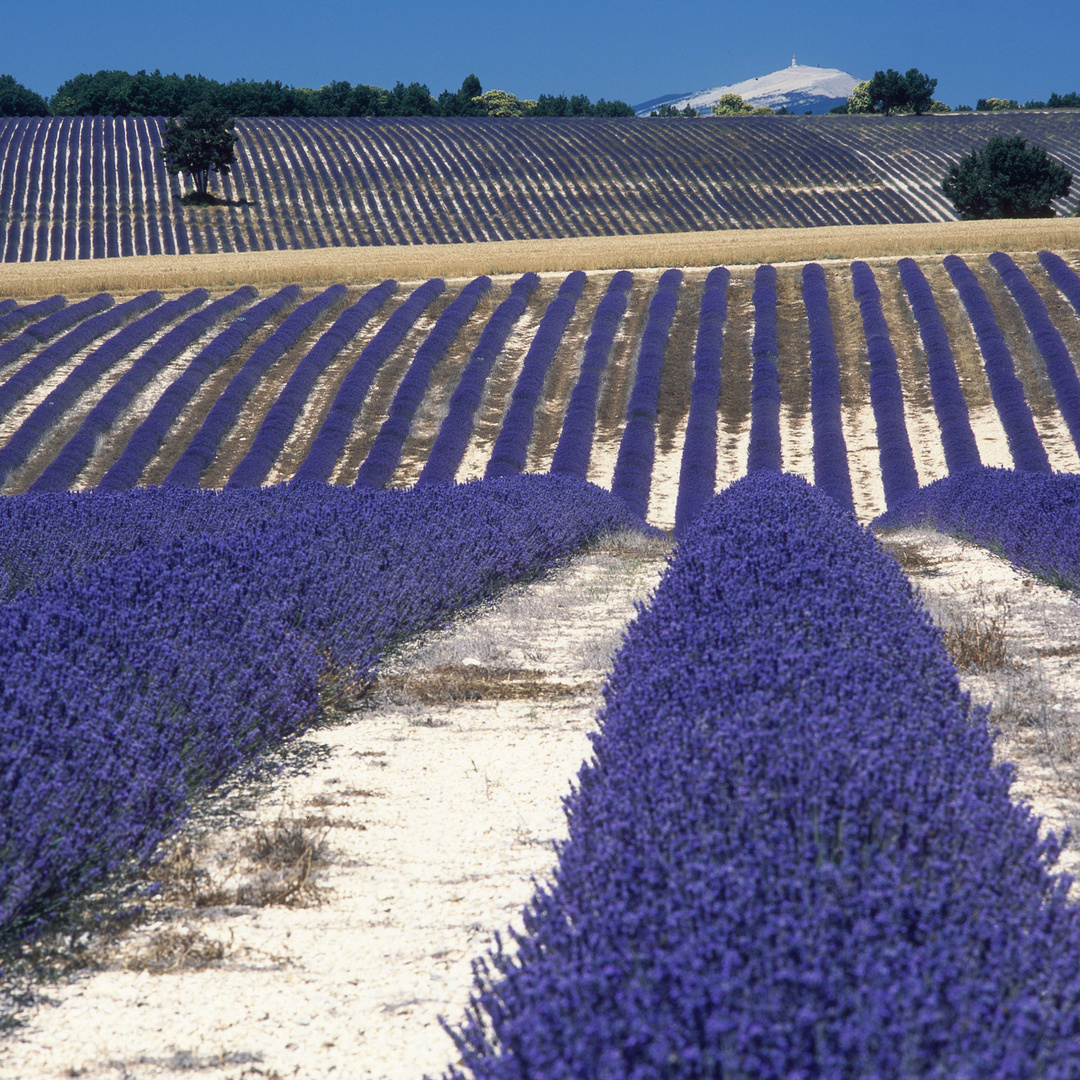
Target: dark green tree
<point>920,91</point>
<point>888,91</point>
<point>16,100</point>
<point>1006,179</point>
<point>201,141</point>
<point>412,100</point>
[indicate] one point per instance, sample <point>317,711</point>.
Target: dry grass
<point>977,643</point>
<point>452,682</point>
<point>174,949</point>
<point>274,866</point>
<point>412,262</point>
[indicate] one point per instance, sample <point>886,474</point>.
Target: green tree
<point>888,91</point>
<point>731,105</point>
<point>860,102</point>
<point>500,103</point>
<point>920,91</point>
<point>412,100</point>
<point>16,100</point>
<point>1006,179</point>
<point>203,140</point>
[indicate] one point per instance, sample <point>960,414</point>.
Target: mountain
<point>800,88</point>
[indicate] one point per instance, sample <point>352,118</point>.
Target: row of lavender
<point>791,853</point>
<point>154,640</point>
<point>52,341</point>
<point>91,187</point>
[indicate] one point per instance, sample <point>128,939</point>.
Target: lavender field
<point>869,380</point>
<point>94,187</point>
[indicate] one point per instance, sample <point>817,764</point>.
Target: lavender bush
<point>831,473</point>
<point>574,448</point>
<point>764,452</point>
<point>203,448</point>
<point>141,677</point>
<point>1032,519</point>
<point>453,438</point>
<point>791,854</point>
<point>898,474</point>
<point>957,438</point>
<point>385,452</point>
<point>1006,389</point>
<point>697,470</point>
<point>151,433</point>
<point>508,455</point>
<point>327,448</point>
<point>1048,340</point>
<point>64,469</point>
<point>279,422</point>
<point>637,448</point>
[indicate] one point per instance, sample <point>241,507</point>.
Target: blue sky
<point>625,49</point>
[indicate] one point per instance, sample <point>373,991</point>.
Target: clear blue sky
<point>626,49</point>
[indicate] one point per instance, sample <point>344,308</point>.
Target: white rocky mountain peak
<point>798,87</point>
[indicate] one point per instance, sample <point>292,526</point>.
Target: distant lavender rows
<point>94,187</point>
<point>40,338</point>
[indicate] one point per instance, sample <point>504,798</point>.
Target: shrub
<point>1006,179</point>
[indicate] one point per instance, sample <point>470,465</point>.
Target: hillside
<point>82,188</point>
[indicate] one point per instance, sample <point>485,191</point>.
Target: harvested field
<point>414,261</point>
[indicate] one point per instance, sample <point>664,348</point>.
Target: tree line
<point>120,93</point>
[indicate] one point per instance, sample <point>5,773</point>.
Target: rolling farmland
<point>94,187</point>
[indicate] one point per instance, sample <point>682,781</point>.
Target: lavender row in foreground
<point>330,442</point>
<point>632,479</point>
<point>898,475</point>
<point>143,680</point>
<point>151,433</point>
<point>385,453</point>
<point>791,854</point>
<point>1033,519</point>
<point>574,448</point>
<point>765,451</point>
<point>1006,389</point>
<point>831,473</point>
<point>64,469</point>
<point>203,448</point>
<point>509,454</point>
<point>453,438</point>
<point>279,422</point>
<point>957,438</point>
<point>1048,340</point>
<point>697,470</point>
